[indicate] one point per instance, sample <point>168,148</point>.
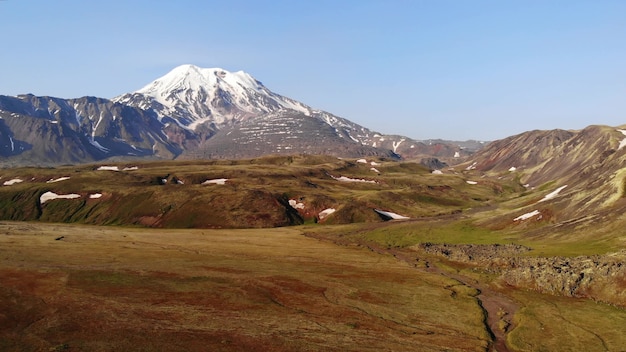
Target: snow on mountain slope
<point>193,96</point>
<point>207,100</point>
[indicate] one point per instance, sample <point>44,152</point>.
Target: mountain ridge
<point>180,113</point>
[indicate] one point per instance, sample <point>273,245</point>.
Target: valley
<point>286,253</point>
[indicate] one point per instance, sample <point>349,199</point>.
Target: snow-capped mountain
<point>193,96</point>
<point>190,112</point>
<point>215,98</point>
<point>217,101</point>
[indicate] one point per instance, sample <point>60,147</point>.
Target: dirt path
<point>498,308</point>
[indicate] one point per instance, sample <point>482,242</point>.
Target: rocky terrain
<point>598,277</point>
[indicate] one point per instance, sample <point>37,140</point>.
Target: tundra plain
<point>167,270</point>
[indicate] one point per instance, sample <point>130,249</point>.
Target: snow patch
<point>437,172</point>
<point>552,194</point>
<point>512,168</point>
<point>472,167</point>
<point>375,170</point>
<point>217,181</point>
<point>12,182</point>
<point>622,143</point>
<point>98,145</point>
<point>95,196</point>
<point>362,161</point>
<point>347,179</point>
<point>130,168</point>
<point>373,163</point>
<point>58,179</point>
<point>52,196</point>
<point>527,215</point>
<point>457,155</point>
<point>325,213</point>
<point>471,182</point>
<point>108,168</point>
<point>295,204</point>
<point>396,145</point>
<point>391,215</point>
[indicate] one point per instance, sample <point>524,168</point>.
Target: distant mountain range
<point>190,113</point>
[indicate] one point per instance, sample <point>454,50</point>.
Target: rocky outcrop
<point>598,277</point>
<point>433,163</point>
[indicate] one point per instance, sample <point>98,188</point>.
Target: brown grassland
<point>101,289</point>
<point>153,266</point>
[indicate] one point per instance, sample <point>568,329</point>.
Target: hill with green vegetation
<point>252,193</point>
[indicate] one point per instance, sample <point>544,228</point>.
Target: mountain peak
<point>191,77</point>
<point>194,95</point>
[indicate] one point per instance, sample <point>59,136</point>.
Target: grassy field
<point>111,288</point>
<point>102,289</point>
<point>167,269</point>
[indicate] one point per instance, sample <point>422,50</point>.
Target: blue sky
<point>425,69</point>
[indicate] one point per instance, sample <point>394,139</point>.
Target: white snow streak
<point>527,215</point>
<point>396,145</point>
<point>622,143</point>
<point>552,194</point>
<point>108,168</point>
<point>217,181</point>
<point>472,182</point>
<point>391,215</point>
<point>58,179</point>
<point>95,196</point>
<point>12,182</point>
<point>347,179</point>
<point>51,196</point>
<point>324,213</point>
<point>472,167</point>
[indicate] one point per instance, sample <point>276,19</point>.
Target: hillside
<point>518,248</point>
<point>242,193</point>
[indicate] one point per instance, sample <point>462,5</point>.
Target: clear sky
<point>463,69</point>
